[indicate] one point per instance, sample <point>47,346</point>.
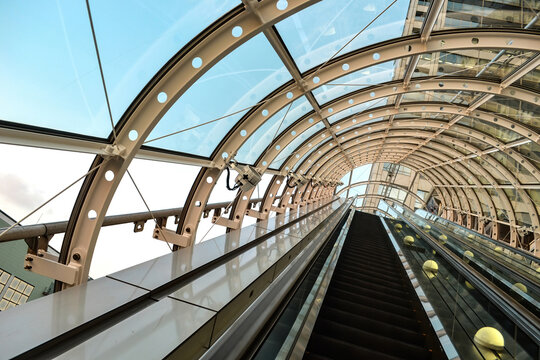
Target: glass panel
<point>356,109</point>
<point>315,34</point>
<point>531,151</point>
<point>361,173</point>
<point>469,139</point>
<point>363,124</point>
<point>518,110</point>
<point>522,174</point>
<point>358,190</point>
<point>49,75</point>
<point>306,155</point>
<point>500,133</point>
<point>238,81</point>
<point>531,79</point>
<point>264,135</point>
<point>30,176</point>
<point>288,150</point>
<point>496,14</point>
<point>447,96</point>
<point>534,194</point>
<point>355,81</point>
<point>507,62</point>
<point>495,173</point>
<point>136,39</point>
<point>519,207</point>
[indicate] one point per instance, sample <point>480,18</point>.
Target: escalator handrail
<point>522,317</point>
<point>521,252</point>
<point>517,275</point>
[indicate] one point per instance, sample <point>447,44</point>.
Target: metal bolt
<point>76,257</point>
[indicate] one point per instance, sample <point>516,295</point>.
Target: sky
<point>30,176</point>
<point>61,89</point>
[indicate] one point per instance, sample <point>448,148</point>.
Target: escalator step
<point>338,349</point>
<point>379,327</point>
<point>403,307</point>
<point>360,284</point>
<point>365,338</point>
<point>370,312</point>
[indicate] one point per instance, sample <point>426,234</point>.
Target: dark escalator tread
<point>337,349</point>
<point>364,338</point>
<point>379,327</point>
<point>403,307</point>
<point>368,311</point>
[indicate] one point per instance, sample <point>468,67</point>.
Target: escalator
<point>370,310</point>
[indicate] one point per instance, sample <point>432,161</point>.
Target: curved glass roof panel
<point>316,33</point>
<point>306,155</point>
<point>495,173</point>
<point>447,96</point>
<point>499,132</point>
<point>137,38</point>
<point>507,62</point>
<point>264,135</point>
<point>49,75</point>
<point>356,109</point>
<point>237,82</point>
<point>531,151</point>
<point>293,145</point>
<point>520,172</point>
<point>468,139</point>
<point>357,80</point>
<point>494,14</point>
<point>524,112</point>
<point>363,124</point>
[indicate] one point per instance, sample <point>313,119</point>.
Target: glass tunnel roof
<point>447,89</point>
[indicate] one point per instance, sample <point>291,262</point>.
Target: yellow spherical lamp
<point>468,285</point>
<point>431,268</point>
<point>519,287</point>
<point>468,255</point>
<point>398,226</point>
<point>498,249</point>
<point>443,238</point>
<point>408,240</point>
<point>489,338</point>
<point>470,236</point>
<point>427,227</point>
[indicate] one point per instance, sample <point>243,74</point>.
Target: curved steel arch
<point>233,141</point>
<point>436,124</point>
<point>423,107</point>
<point>393,88</point>
<point>469,132</point>
<point>97,193</point>
<point>446,149</point>
<point>502,195</point>
<point>360,183</point>
<point>173,79</point>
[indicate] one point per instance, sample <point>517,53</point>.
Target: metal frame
<point>178,75</point>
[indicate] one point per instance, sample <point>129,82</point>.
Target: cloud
<point>370,8</point>
<point>16,190</point>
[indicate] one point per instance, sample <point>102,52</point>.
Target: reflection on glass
<point>316,33</point>
<point>500,133</point>
<point>294,145</point>
<point>355,81</point>
<point>271,129</point>
<point>357,109</point>
<point>238,81</point>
